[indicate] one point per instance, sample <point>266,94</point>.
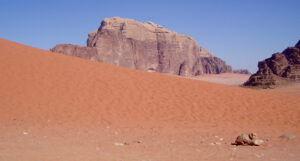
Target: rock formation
<point>279,69</point>
<point>248,139</point>
<point>145,46</point>
<point>214,65</point>
<point>79,51</point>
<point>241,71</point>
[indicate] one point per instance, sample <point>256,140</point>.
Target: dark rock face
<point>241,71</point>
<point>145,46</point>
<point>298,45</point>
<point>279,69</point>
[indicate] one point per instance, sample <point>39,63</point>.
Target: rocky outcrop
<point>145,46</point>
<point>213,65</point>
<point>78,51</point>
<point>241,71</point>
<point>279,69</point>
<point>248,139</point>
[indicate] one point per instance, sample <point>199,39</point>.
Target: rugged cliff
<point>214,65</point>
<point>279,69</point>
<point>145,46</point>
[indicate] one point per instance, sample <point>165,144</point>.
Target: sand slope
<point>68,99</point>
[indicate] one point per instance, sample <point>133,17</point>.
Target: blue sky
<point>241,32</point>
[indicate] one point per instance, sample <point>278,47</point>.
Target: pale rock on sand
<point>119,144</point>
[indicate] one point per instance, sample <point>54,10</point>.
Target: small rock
<point>258,142</point>
<point>25,133</point>
<point>136,141</point>
<point>119,144</point>
<point>212,144</point>
<point>288,136</point>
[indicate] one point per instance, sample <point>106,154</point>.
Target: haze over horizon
<point>240,32</point>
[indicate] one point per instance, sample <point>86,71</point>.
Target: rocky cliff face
<point>214,65</point>
<point>279,69</point>
<point>145,46</point>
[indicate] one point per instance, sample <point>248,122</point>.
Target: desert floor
<point>240,79</point>
<point>60,108</point>
<point>224,78</point>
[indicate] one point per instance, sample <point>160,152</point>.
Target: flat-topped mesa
<point>145,46</point>
<point>279,69</point>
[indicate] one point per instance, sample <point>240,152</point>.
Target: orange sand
<point>55,107</point>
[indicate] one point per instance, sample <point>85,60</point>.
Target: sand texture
<point>61,108</point>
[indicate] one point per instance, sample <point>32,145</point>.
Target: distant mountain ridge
<point>145,46</point>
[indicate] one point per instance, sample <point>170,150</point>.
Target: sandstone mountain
<point>279,69</point>
<point>145,46</point>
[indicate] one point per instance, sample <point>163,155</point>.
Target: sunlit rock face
<point>145,46</point>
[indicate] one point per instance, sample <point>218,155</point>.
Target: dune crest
<point>72,90</point>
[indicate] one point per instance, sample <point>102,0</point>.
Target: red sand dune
<point>56,107</point>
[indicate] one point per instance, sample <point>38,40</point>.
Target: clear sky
<point>241,32</point>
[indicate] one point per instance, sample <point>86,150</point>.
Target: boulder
<point>248,139</point>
